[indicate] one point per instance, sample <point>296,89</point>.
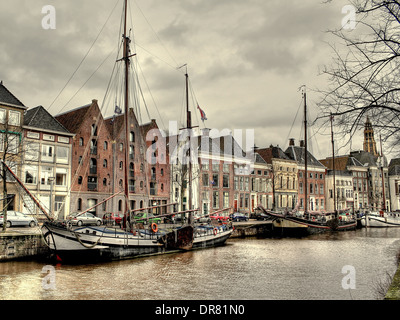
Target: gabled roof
<point>7,98</point>
<point>341,163</point>
<point>39,118</point>
<point>272,153</point>
<point>72,120</point>
<point>366,158</point>
<point>298,154</point>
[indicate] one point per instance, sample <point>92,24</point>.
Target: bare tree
<point>11,148</point>
<point>364,77</point>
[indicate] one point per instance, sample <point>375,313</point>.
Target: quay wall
<point>252,229</point>
<point>15,246</point>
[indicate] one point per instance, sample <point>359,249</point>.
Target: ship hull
<point>380,222</point>
<point>296,226</point>
<point>95,244</point>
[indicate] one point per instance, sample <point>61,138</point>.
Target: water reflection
<point>306,268</point>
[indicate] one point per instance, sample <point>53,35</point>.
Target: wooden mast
<point>189,128</point>
<point>126,116</point>
<point>333,167</point>
<point>383,178</point>
<point>305,152</point>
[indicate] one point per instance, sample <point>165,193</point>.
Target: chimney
<point>302,143</point>
<point>291,142</point>
<point>205,132</point>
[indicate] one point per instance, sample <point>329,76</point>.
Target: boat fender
<point>154,227</point>
<point>215,231</point>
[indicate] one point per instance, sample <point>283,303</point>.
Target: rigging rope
<point>84,58</point>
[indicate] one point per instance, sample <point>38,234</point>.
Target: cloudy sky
<point>246,59</point>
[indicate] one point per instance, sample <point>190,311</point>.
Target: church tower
<point>369,140</point>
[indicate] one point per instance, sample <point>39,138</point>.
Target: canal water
<point>354,265</point>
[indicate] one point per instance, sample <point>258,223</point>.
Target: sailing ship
<point>381,219</point>
<point>98,243</point>
<point>294,223</point>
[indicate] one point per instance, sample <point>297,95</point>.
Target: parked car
<point>219,218</point>
<point>146,218</point>
<point>86,218</point>
<point>17,219</point>
<point>238,216</point>
<point>111,218</point>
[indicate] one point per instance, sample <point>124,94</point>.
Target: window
<point>32,152</point>
<point>226,199</point>
<point>225,182</point>
<point>94,130</point>
<point>13,143</point>
<point>215,200</point>
<point>47,153</point>
<point>31,173</point>
<point>131,170</point>
<point>46,175</point>
<point>3,116</point>
<point>214,181</point>
<point>79,207</point>
<point>131,152</point>
<point>205,179</point>
<point>62,155</point>
<point>93,146</point>
<point>93,166</point>
<point>61,177</point>
<point>92,183</point>
<point>14,118</point>
<point>1,142</point>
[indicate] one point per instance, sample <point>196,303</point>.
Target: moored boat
<point>381,219</point>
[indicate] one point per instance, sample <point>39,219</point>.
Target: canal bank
<point>21,243</point>
<point>393,292</point>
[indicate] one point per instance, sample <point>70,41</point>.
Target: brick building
<point>92,158</point>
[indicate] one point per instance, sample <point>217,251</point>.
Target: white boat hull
<point>375,221</point>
